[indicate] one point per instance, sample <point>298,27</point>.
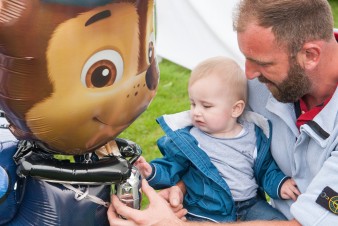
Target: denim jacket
<point>208,195</point>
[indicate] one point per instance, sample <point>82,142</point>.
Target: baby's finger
<point>296,191</point>
<point>292,195</point>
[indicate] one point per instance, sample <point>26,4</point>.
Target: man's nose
<point>251,70</point>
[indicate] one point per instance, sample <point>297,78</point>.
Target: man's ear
<point>310,54</point>
<point>238,108</point>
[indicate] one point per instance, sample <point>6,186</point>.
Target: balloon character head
<point>75,73</point>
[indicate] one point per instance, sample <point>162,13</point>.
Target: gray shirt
<point>234,158</point>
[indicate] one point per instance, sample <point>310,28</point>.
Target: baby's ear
<point>238,108</point>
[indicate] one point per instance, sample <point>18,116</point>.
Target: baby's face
<point>211,106</point>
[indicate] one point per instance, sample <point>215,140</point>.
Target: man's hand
<point>289,190</point>
<point>157,213</point>
<point>174,196</point>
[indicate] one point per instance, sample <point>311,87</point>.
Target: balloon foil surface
<point>75,73</point>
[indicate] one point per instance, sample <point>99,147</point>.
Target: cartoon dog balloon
<point>73,75</point>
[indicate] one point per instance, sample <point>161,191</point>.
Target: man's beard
<point>296,85</point>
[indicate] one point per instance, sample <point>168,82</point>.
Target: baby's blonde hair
<point>229,73</point>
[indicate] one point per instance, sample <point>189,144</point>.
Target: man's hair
<point>293,22</point>
<point>227,70</point>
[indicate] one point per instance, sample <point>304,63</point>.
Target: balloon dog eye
<point>102,69</point>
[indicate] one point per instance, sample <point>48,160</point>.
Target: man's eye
<point>262,64</point>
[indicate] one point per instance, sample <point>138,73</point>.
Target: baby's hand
<point>289,190</point>
<point>143,166</point>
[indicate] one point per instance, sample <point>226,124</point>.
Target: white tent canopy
<point>189,31</point>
